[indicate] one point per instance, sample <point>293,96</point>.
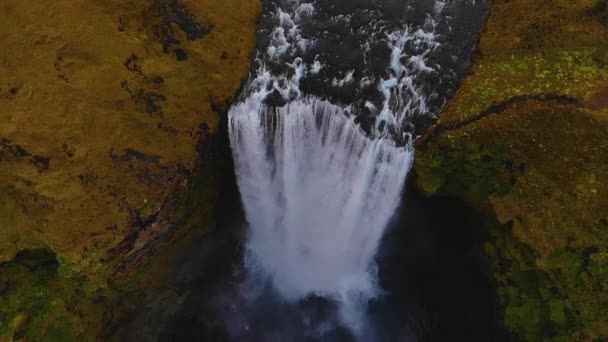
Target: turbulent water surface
<point>322,144</point>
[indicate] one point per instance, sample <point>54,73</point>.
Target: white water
<point>317,191</point>
<point>318,194</point>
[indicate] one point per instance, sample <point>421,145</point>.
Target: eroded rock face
<point>103,104</point>
<point>525,140</point>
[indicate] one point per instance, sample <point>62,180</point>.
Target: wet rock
<point>275,99</point>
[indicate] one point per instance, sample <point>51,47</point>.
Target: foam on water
<point>403,99</point>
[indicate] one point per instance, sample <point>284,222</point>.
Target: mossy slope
<point>105,111</point>
<point>40,305</point>
<point>102,107</point>
<point>525,140</point>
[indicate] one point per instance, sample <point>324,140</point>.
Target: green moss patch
<point>40,305</point>
<point>536,167</point>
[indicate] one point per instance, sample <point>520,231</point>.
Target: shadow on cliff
<point>433,267</point>
<point>178,309</point>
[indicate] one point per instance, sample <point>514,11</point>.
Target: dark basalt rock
<point>130,154</point>
<point>172,12</point>
<point>181,55</point>
<point>9,151</point>
<point>41,163</point>
<point>149,101</point>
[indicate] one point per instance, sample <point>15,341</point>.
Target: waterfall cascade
<point>317,189</point>
<point>317,192</point>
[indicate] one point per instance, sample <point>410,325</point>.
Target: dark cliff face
<point>180,305</point>
<point>436,276</point>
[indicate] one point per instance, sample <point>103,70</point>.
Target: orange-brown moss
<point>103,108</point>
<point>103,115</point>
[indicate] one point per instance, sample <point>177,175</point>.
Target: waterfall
<point>318,194</point>
<point>318,191</point>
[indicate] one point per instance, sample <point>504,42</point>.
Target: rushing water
<point>322,139</point>
<point>318,194</point>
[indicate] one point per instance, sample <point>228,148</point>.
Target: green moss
<point>197,205</point>
<point>40,305</point>
<point>460,166</point>
<point>539,304</point>
<point>503,76</point>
